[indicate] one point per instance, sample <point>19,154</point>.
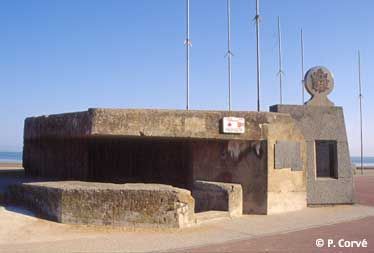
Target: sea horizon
<point>10,157</point>
<point>16,157</point>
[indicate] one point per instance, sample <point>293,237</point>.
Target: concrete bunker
<point>170,147</point>
<point>271,162</point>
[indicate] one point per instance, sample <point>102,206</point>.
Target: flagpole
<point>188,45</point>
<point>280,72</point>
<point>302,67</point>
<point>257,18</point>
<point>360,97</point>
<point>229,53</point>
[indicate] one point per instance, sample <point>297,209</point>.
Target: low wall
<point>218,196</point>
<point>139,205</point>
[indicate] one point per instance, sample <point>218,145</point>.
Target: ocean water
<point>17,157</point>
<point>368,161</point>
<point>10,157</point>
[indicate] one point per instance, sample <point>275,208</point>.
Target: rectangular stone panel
<point>288,155</point>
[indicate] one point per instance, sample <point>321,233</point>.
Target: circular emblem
<point>319,81</point>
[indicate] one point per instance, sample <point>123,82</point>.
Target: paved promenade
<point>305,240</point>
<point>292,232</point>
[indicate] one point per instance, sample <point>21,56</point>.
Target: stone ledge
<point>218,196</point>
<point>142,123</point>
<point>138,205</point>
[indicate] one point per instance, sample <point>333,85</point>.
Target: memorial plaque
<point>288,155</point>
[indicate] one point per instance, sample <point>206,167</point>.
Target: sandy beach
<point>367,171</point>
<point>10,165</point>
<point>366,168</point>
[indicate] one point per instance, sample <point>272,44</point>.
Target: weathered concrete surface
<point>97,144</point>
<point>72,202</point>
<point>9,177</point>
<point>65,125</point>
<point>145,123</point>
<point>286,188</point>
<point>324,123</point>
<point>235,162</point>
<point>57,158</point>
<point>169,147</point>
<point>218,196</point>
<point>251,164</point>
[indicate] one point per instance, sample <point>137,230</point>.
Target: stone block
<point>138,205</point>
<point>234,162</point>
<point>218,196</point>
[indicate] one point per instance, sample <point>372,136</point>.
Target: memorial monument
<point>329,169</point>
<point>164,167</point>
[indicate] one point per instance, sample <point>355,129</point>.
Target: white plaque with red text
<point>233,125</point>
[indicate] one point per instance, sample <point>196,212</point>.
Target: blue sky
<point>60,56</point>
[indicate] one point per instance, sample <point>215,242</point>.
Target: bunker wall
<point>286,187</point>
<point>235,162</point>
<point>168,147</point>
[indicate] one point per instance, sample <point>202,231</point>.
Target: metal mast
<point>302,67</point>
<point>229,53</point>
<point>188,45</point>
<point>360,97</point>
<point>280,72</point>
<point>257,18</point>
